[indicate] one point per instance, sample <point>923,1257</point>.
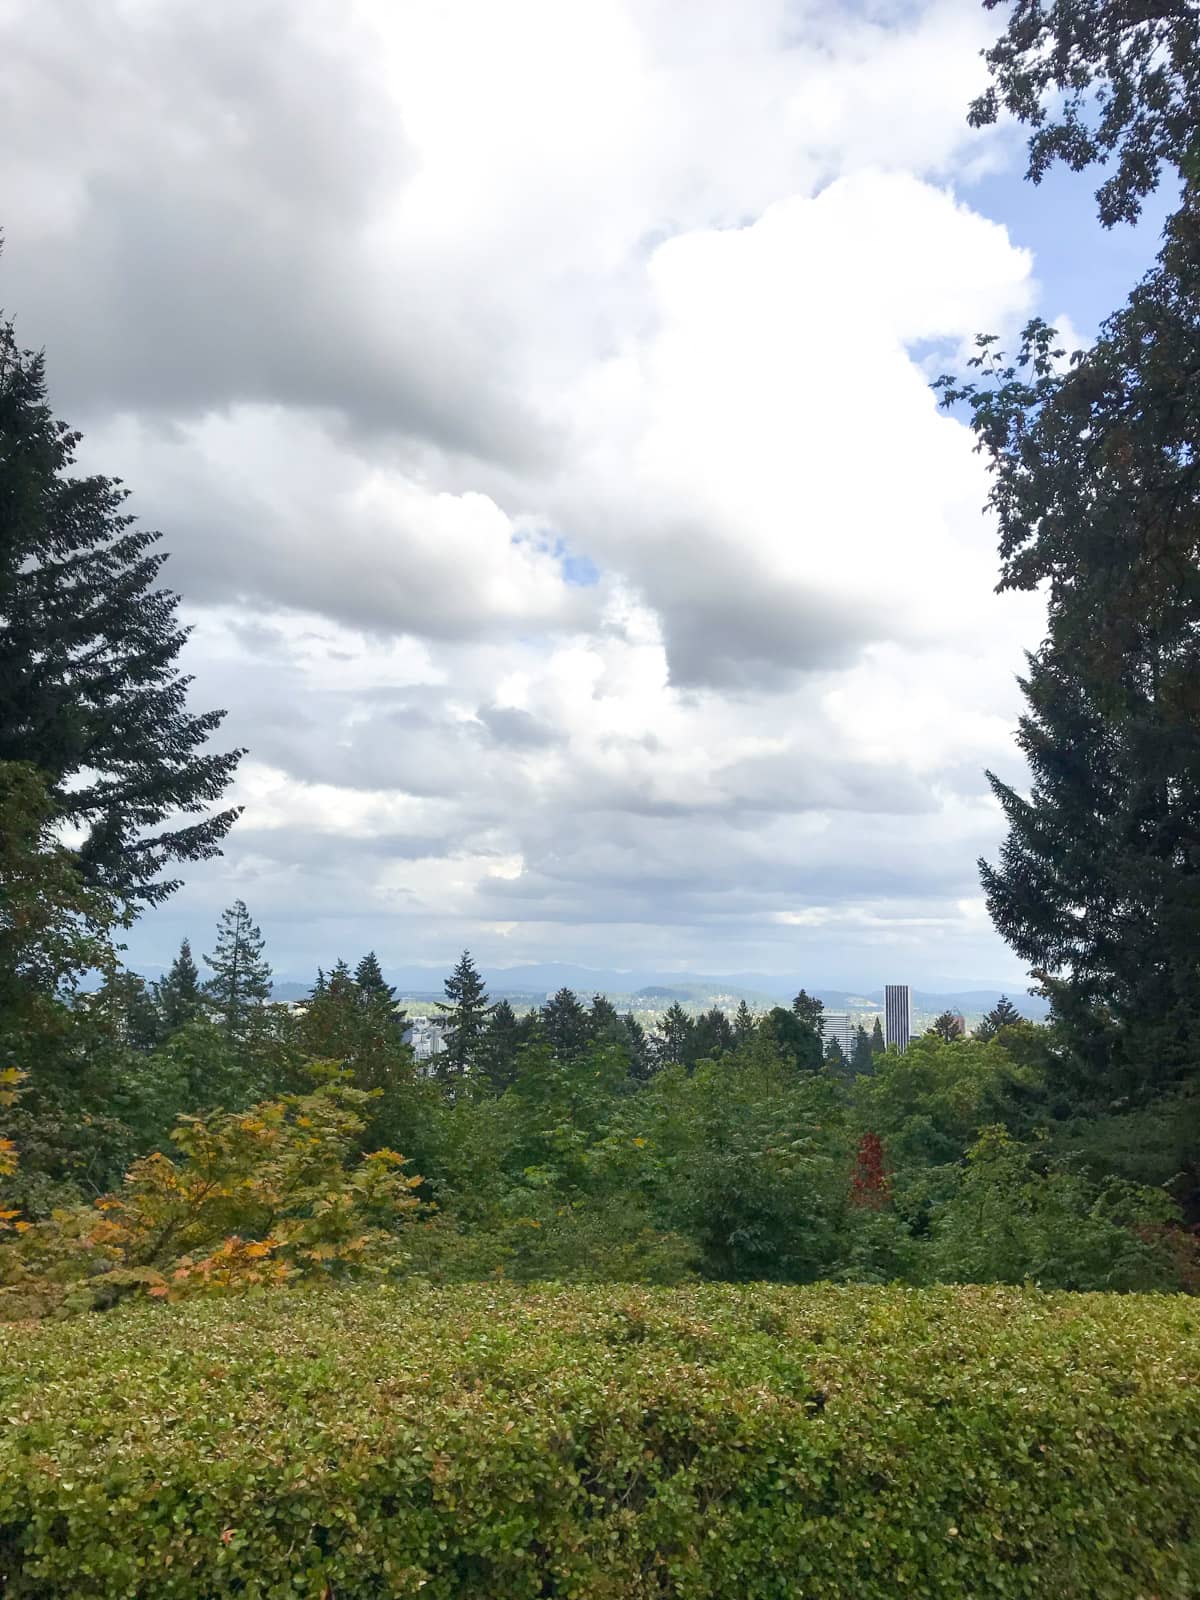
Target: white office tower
<point>837,1025</point>
<point>897,1015</point>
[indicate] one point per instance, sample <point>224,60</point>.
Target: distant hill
<point>649,991</point>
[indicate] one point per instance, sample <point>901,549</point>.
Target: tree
<point>642,1063</point>
<point>241,980</point>
<point>672,1043</point>
<point>178,995</point>
<point>1098,79</point>
<point>1002,1015</point>
<point>603,1022</point>
<point>863,1056</point>
<point>714,1035</point>
<point>808,1045</point>
<point>53,926</point>
<point>464,1018</point>
<point>566,1025</point>
<point>89,691</point>
<point>744,1023</point>
<point>342,1023</point>
<point>947,1026</point>
<point>835,1059</point>
<point>368,975</point>
<point>125,1004</point>
<point>877,1042</point>
<point>501,1047</point>
<point>1097,885</point>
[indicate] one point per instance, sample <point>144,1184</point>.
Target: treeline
<point>189,1136</point>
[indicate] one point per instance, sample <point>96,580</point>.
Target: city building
<point>424,1034</point>
<point>897,1015</point>
<point>837,1025</point>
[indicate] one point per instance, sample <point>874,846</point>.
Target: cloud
<point>403,320</point>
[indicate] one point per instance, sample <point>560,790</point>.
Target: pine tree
<point>835,1059</point>
<point>1097,886</point>
<point>672,1043</point>
<point>368,975</point>
<point>642,1063</point>
<point>948,1026</point>
<point>124,1005</point>
<point>807,1043</point>
<point>500,1047</point>
<point>744,1024</point>
<point>89,691</point>
<point>877,1040</point>
<point>863,1059</point>
<point>241,980</point>
<point>714,1035</point>
<point>566,1025</point>
<point>464,1018</point>
<point>603,1022</point>
<point>178,995</point>
<point>1002,1015</point>
<point>341,1023</point>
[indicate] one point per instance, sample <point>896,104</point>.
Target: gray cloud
<point>219,170</point>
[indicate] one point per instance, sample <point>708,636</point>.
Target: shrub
<point>259,1197</point>
<point>489,1443</point>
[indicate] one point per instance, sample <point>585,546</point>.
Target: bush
<point>488,1443</point>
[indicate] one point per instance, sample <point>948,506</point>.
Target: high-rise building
<point>837,1025</point>
<point>897,1015</point>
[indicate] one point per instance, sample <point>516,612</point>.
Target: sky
<point>534,400</point>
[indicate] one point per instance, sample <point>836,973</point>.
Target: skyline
<point>513,416</point>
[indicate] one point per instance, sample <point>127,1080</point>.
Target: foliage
<point>53,927</point>
<point>1098,882</point>
<point>464,1020</point>
<point>89,691</point>
<point>1098,80</point>
<point>1002,1015</point>
<point>241,980</point>
<point>258,1197</point>
<point>710,1442</point>
<point>1006,1222</point>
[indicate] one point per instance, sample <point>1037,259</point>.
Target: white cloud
<point>391,315</point>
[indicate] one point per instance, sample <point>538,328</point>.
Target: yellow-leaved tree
<point>265,1196</point>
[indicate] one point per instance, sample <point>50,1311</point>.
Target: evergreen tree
<point>744,1024</point>
<point>464,1017</point>
<point>1002,1015</point>
<point>801,1035</point>
<point>642,1063</point>
<point>241,980</point>
<point>948,1026</point>
<point>796,1038</point>
<point>500,1048</point>
<point>178,995</point>
<point>125,1006</point>
<point>714,1035</point>
<point>835,1059</point>
<point>566,1025</point>
<point>368,975</point>
<point>320,987</point>
<point>877,1040</point>
<point>863,1058</point>
<point>1097,885</point>
<point>89,691</point>
<point>341,1023</point>
<point>604,1024</point>
<point>672,1043</point>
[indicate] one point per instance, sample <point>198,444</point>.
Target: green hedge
<point>492,1442</point>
